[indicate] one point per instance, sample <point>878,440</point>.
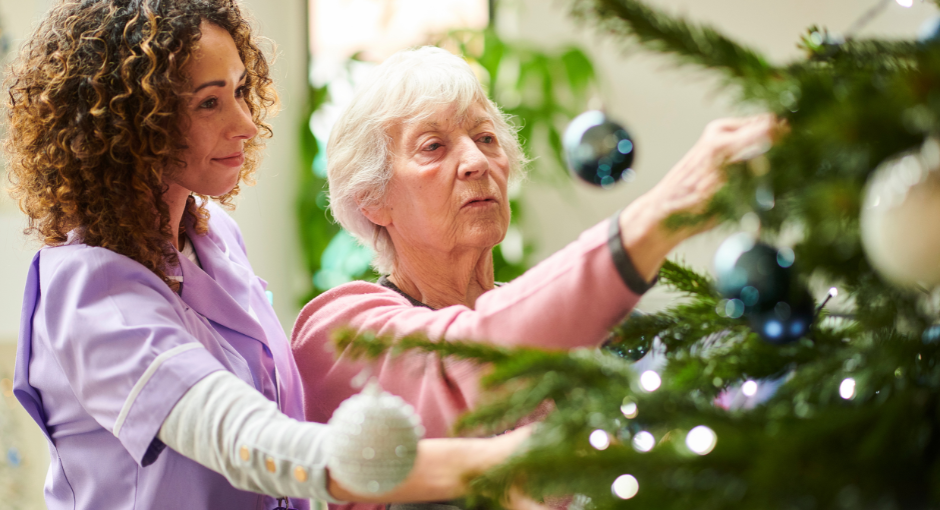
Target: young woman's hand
<point>444,466</point>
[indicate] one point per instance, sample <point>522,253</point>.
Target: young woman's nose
<point>242,126</point>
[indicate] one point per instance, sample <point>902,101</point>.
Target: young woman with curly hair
<point>149,354</point>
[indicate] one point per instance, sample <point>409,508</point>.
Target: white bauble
<point>900,218</point>
<point>373,441</point>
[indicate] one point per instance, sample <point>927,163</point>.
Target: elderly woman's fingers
<point>690,186</point>
<point>751,139</point>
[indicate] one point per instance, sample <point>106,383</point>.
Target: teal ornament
<point>599,151</point>
<point>759,282</point>
<point>929,31</point>
<point>931,335</point>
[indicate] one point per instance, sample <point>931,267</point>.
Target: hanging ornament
<point>929,31</point>
<point>787,322</point>
<point>373,441</point>
<point>899,214</point>
<point>759,283</point>
<point>633,349</point>
<point>931,335</point>
<point>599,150</point>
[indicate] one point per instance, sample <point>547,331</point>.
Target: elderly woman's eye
<point>487,139</point>
<point>432,147</point>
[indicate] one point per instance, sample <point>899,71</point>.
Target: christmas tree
<point>766,398</point>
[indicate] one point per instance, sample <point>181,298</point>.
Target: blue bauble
<point>931,335</point>
<point>929,31</point>
<point>599,150</point>
<point>752,272</point>
<point>760,283</point>
<point>788,321</point>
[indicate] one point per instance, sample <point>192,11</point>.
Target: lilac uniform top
<point>106,349</point>
<point>569,300</point>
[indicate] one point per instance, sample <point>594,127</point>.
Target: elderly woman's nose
<point>473,163</point>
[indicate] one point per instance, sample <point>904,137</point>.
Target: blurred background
<point>552,68</point>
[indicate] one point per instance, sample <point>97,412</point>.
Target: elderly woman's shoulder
<point>351,304</point>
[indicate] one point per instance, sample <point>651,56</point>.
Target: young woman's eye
<point>241,92</point>
<point>209,103</point>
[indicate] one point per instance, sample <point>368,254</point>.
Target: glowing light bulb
<point>650,380</point>
<point>847,388</point>
<point>625,487</point>
<point>749,388</point>
<point>599,439</point>
<point>833,292</point>
<point>905,3</point>
<point>701,440</point>
<point>643,441</point>
<point>629,409</point>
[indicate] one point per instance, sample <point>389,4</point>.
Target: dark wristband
<point>628,273</point>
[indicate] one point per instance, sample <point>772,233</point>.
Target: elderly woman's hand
<point>689,186</point>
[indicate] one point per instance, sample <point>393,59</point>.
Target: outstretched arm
<point>228,427</point>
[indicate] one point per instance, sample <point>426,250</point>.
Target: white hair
<point>408,87</point>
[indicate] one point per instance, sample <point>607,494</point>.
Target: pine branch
<point>692,44</point>
<point>368,345</point>
<point>684,279</point>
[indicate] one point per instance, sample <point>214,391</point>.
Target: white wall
<point>665,108</point>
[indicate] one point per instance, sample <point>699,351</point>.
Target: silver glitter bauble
<point>373,441</point>
<point>599,150</point>
<point>899,217</point>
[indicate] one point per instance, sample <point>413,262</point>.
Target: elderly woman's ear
<point>377,214</point>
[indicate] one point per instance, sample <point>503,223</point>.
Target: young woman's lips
<point>233,160</point>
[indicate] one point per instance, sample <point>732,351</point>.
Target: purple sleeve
<point>128,345</point>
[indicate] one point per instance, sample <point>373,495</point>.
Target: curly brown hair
<point>94,120</point>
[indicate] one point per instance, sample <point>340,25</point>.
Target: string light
<point>643,441</point>
<point>625,487</point>
<point>599,439</point>
<point>628,409</point>
<point>749,388</point>
<point>650,380</point>
<point>701,440</point>
<point>847,388</point>
<point>905,3</point>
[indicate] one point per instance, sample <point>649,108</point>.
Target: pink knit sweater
<point>569,300</point>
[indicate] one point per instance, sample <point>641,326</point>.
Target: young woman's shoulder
<point>78,265</point>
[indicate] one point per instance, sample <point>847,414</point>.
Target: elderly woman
<point>149,355</point>
<point>419,166</point>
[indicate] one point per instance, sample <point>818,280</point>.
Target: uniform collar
<point>221,289</point>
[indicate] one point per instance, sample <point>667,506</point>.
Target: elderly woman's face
<point>218,118</point>
<point>448,189</point>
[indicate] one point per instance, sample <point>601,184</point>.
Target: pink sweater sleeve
<point>569,300</point>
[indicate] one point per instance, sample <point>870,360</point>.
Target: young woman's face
<point>218,122</point>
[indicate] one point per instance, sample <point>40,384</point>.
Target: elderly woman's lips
<point>480,202</point>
